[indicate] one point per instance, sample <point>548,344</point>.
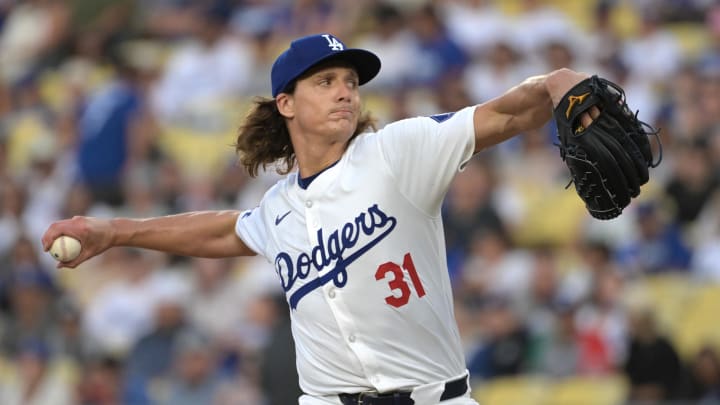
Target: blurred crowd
<point>129,108</point>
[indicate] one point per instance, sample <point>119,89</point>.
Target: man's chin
<point>346,123</point>
<point>343,129</point>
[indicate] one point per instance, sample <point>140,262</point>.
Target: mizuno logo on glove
<point>573,100</point>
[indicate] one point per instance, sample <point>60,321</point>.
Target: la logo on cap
<point>333,43</point>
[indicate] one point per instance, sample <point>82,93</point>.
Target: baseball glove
<point>608,160</point>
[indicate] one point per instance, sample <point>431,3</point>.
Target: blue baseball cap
<point>306,52</point>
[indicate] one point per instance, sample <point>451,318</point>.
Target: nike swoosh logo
<point>279,218</point>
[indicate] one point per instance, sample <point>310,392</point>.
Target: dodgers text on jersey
<point>374,224</point>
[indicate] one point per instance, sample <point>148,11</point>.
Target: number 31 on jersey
<point>398,283</point>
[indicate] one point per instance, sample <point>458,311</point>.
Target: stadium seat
<point>667,294</point>
<point>202,144</point>
<point>512,391</point>
<point>698,324</point>
<point>591,390</point>
<point>692,37</point>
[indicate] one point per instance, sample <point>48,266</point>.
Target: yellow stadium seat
<point>553,216</point>
<point>67,369</point>
<point>666,294</point>
<point>698,325</point>
<point>512,391</point>
<point>380,106</point>
<point>6,370</point>
<point>693,38</point>
<point>203,144</point>
<point>578,11</point>
<point>625,19</point>
<point>591,390</point>
<point>25,133</point>
<point>55,85</point>
<point>54,90</point>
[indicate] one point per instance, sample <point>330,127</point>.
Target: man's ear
<point>286,105</point>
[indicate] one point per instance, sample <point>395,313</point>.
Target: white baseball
<point>65,248</point>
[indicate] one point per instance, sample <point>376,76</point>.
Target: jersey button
<point>308,203</point>
<point>331,293</point>
<point>351,338</point>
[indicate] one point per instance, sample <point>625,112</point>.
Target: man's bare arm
<point>200,234</point>
<point>524,107</point>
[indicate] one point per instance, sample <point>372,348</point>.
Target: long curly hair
<point>263,139</point>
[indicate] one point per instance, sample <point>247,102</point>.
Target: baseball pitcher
<point>354,230</point>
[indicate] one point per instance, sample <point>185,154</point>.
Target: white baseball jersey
<point>361,256</point>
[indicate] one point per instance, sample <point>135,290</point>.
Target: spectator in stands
<point>31,32</point>
<point>395,44</point>
<point>492,72</point>
<point>304,16</point>
<point>538,304</point>
<point>108,126</point>
<point>652,366</point>
<point>47,182</point>
<point>216,287</point>
<point>122,309</point>
<point>558,353</point>
<point>537,23</point>
<point>495,267</point>
<point>679,116</point>
<point>654,55</point>
<point>476,25</point>
<point>710,97</point>
<point>658,247</point>
<point>277,358</point>
<point>29,127</point>
<point>168,20</point>
<point>141,193</point>
<point>603,40</point>
<point>32,317</point>
<point>70,343</point>
<point>469,208</point>
<point>193,378</point>
<point>709,59</point>
<point>151,358</point>
<point>439,56</point>
<point>693,182</point>
<point>99,382</point>
<point>601,324</point>
<point>596,258</point>
<point>210,68</point>
<point>702,384</point>
<point>505,348</point>
<point>34,381</point>
<point>652,58</point>
<point>705,239</point>
<point>12,205</point>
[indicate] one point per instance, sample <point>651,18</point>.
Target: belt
<point>453,389</point>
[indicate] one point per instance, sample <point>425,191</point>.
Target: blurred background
<point>130,108</point>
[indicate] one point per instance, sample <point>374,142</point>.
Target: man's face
<point>326,102</point>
